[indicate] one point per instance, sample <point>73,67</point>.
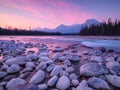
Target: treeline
<point>24,32</point>
<point>108,28</point>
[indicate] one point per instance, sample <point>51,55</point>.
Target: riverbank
<point>58,65</point>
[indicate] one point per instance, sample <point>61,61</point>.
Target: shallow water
<point>90,42</point>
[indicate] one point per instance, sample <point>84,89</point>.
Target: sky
<point>51,13</point>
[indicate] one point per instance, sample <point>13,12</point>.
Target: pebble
<point>98,83</point>
<point>56,71</point>
<point>63,83</point>
<point>38,77</point>
<point>83,86</point>
<point>13,68</point>
<point>42,66</point>
<point>14,82</point>
<point>52,81</point>
<point>43,87</point>
<point>3,74</point>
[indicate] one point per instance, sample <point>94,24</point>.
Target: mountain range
<point>72,29</point>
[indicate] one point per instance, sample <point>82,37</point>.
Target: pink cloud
<point>50,13</point>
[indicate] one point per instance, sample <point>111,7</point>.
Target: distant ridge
<point>72,29</point>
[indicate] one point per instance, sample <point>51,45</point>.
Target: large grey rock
<point>83,86</point>
<point>14,82</point>
<point>37,77</point>
<point>91,69</point>
<point>63,83</point>
<point>56,71</point>
<point>42,66</point>
<point>52,81</point>
<point>43,87</point>
<point>3,74</point>
<point>17,60</point>
<point>13,68</point>
<point>98,83</point>
<point>114,80</point>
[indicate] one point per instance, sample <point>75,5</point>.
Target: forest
<point>108,28</point>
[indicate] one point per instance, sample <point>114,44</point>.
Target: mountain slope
<point>72,29</point>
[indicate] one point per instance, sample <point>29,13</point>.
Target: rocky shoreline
<point>73,67</point>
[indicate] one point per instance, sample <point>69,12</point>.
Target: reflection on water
<point>65,40</point>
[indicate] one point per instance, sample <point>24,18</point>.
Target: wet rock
<point>58,49</point>
<point>3,74</point>
<point>4,67</point>
<point>102,49</point>
<point>37,77</point>
<point>52,81</point>
<point>43,87</point>
<point>91,69</point>
<point>25,75</point>
<point>3,83</point>
<point>50,68</point>
<point>49,62</point>
<point>27,70</point>
<point>85,52</point>
<point>70,69</point>
<point>13,68</point>
<point>64,73</point>
<point>17,60</point>
<point>45,54</point>
<point>67,62</point>
<point>63,83</point>
<point>43,59</point>
<point>110,51</point>
<point>75,82</point>
<point>56,56</point>
<point>110,59</point>
<point>98,59</point>
<point>56,71</point>
<point>2,88</point>
<point>9,77</point>
<point>113,65</point>
<point>42,66</point>
<point>73,76</point>
<point>114,80</point>
<point>75,57</point>
<point>98,83</point>
<point>32,56</point>
<point>30,65</point>
<point>14,82</point>
<point>83,86</point>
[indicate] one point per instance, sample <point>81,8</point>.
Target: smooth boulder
<point>91,69</point>
<point>114,80</point>
<point>37,77</point>
<point>14,82</point>
<point>98,83</point>
<point>63,83</point>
